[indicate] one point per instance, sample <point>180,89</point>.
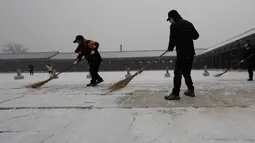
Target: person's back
<point>248,51</point>
<point>31,67</point>
<point>184,34</point>
<point>49,67</point>
<point>95,56</point>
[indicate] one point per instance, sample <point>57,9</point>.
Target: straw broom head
<point>220,74</point>
<point>121,84</point>
<point>38,84</point>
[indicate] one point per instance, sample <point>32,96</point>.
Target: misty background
<point>51,25</point>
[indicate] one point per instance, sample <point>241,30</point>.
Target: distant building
<point>223,55</point>
<point>12,62</point>
<point>227,53</point>
<point>112,61</point>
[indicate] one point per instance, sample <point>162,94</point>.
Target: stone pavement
<point>136,125</point>
<point>140,98</point>
<point>74,114</point>
<point>229,90</point>
<point>146,99</point>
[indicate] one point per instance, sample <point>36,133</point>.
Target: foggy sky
<point>51,25</point>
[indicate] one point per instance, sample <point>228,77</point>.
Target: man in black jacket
<point>89,49</point>
<point>248,52</point>
<point>31,69</point>
<point>182,34</point>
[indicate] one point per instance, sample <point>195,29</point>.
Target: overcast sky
<point>51,25</point>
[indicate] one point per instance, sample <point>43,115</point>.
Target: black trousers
<point>183,66</point>
<point>93,70</point>
<point>31,72</point>
<point>250,70</point>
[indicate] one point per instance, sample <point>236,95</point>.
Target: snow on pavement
<point>70,91</point>
<point>155,125</point>
<point>65,111</point>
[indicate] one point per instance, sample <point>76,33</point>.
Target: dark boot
<point>100,80</point>
<point>91,84</point>
<point>173,96</point>
<point>250,77</point>
<point>190,93</point>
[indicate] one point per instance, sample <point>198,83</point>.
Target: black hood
<point>174,15</point>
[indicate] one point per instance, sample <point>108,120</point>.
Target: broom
<point>220,74</point>
<point>123,83</point>
<point>39,84</point>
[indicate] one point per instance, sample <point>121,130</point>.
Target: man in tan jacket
<point>89,49</point>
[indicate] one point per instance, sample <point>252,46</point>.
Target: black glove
<point>169,50</point>
<point>76,61</point>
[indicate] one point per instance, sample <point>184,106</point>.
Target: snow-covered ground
<point>65,111</point>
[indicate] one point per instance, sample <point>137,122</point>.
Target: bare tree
<point>14,48</point>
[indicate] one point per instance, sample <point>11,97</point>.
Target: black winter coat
<point>182,34</point>
<point>31,67</point>
<point>84,50</point>
<point>248,51</point>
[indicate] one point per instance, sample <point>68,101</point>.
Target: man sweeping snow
<point>49,68</point>
<point>31,69</point>
<point>248,51</point>
<point>182,34</point>
<point>89,49</point>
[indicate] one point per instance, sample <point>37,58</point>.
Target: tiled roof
<point>124,54</point>
<point>110,54</point>
<point>37,55</point>
<point>238,37</point>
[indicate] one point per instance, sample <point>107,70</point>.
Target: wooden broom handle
<point>249,57</point>
<point>67,68</point>
<point>141,70</point>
